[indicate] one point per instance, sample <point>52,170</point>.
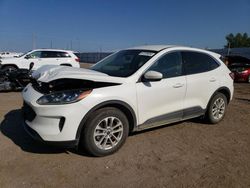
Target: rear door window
<point>48,54</point>
<point>195,62</point>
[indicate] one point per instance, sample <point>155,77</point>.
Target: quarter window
<point>195,62</point>
<point>170,65</point>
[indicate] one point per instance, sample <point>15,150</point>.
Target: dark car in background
<point>241,71</point>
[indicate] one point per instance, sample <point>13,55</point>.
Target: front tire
<point>105,131</point>
<point>216,108</point>
<point>248,79</point>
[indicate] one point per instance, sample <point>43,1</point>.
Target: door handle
<point>178,85</point>
<point>212,79</point>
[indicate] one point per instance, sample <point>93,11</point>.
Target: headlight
<point>63,97</point>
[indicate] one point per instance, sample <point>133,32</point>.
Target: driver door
<point>161,102</point>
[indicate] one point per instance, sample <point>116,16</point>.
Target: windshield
<point>124,63</point>
<point>21,55</point>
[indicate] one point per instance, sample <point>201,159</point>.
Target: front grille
<point>28,113</point>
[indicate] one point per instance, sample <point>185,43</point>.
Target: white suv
<point>131,90</point>
<point>40,57</point>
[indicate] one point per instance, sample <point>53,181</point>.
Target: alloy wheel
<point>218,108</point>
<point>108,133</point>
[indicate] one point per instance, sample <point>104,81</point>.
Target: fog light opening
<point>61,123</point>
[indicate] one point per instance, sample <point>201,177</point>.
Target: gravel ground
<point>186,154</point>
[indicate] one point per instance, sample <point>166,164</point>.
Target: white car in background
<point>9,54</point>
<point>131,90</point>
<point>40,57</point>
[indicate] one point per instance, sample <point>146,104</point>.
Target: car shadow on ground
<point>12,128</point>
<point>243,99</point>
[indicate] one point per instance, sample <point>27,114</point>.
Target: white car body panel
<point>160,98</point>
<point>48,114</point>
<point>6,55</point>
<point>50,72</point>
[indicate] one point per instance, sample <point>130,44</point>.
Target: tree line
<point>237,41</point>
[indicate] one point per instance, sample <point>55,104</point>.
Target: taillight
<point>244,72</point>
<point>77,59</point>
<point>231,74</point>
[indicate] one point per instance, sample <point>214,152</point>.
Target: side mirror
<point>27,57</point>
<point>31,66</point>
<point>152,76</point>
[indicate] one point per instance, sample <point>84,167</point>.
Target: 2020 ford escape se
<point>131,90</point>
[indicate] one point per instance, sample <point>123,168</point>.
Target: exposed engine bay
<point>68,84</point>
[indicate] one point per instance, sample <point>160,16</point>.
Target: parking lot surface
<point>186,154</point>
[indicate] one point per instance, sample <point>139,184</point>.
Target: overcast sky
<point>104,25</point>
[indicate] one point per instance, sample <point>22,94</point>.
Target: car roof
<point>162,47</point>
<point>152,47</point>
<point>48,49</point>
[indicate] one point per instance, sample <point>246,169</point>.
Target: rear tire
<point>216,108</point>
<point>104,132</point>
<point>248,79</point>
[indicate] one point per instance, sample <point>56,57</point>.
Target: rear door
<point>50,58</point>
<point>203,78</point>
<point>65,58</point>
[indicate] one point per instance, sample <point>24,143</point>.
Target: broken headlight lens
<point>63,97</point>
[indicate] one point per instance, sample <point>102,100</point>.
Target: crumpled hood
<point>49,73</point>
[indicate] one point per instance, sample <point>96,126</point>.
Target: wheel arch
<point>66,64</point>
<point>223,90</point>
<point>123,106</point>
<point>12,65</point>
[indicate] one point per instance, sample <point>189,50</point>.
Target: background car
<point>241,71</point>
<point>9,54</point>
<point>41,57</point>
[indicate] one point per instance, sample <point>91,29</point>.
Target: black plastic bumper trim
<point>37,137</point>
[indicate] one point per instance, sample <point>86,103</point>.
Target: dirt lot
<point>187,154</point>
